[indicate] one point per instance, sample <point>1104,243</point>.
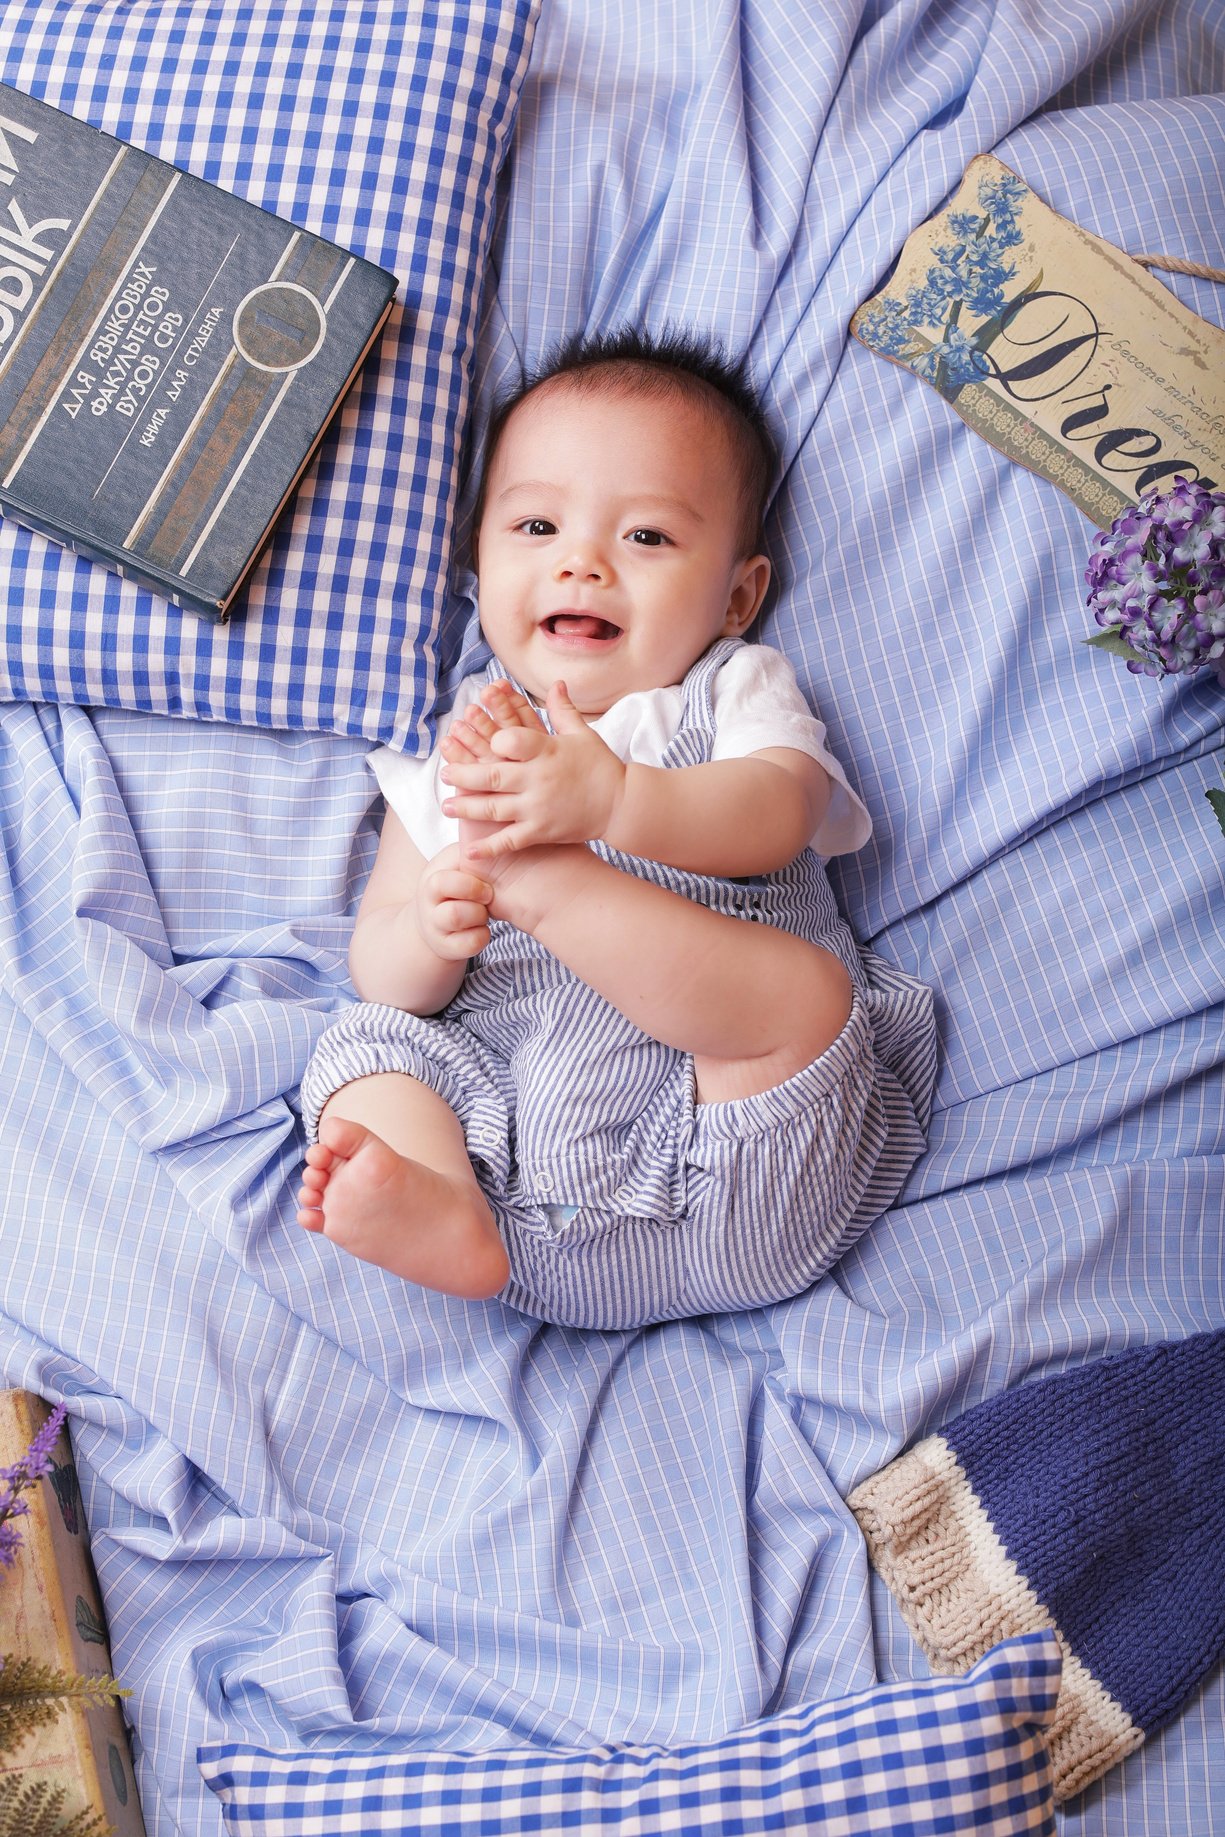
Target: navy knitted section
<point>1106,1486</point>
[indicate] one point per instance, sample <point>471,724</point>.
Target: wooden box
<point>50,1610</point>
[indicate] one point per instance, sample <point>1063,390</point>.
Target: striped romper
<point>619,1199</point>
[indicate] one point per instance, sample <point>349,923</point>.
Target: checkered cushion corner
<point>903,1760</point>
<point>382,129</point>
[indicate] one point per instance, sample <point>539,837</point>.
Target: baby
<point>617,1058</point>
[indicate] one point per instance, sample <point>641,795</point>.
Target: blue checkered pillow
<point>910,1760</point>
<point>381,128</point>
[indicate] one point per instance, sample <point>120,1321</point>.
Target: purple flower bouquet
<point>1156,583</point>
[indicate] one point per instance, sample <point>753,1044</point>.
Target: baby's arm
<point>751,1009</point>
<point>418,923</point>
<point>729,817</point>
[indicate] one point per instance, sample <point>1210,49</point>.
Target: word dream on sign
<point>1054,346</point>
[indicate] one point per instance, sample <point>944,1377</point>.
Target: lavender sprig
<point>1156,582</point>
<point>34,1464</point>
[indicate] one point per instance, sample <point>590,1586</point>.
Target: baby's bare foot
<point>489,867</point>
<point>515,875</point>
<point>406,1217</point>
<point>469,739</point>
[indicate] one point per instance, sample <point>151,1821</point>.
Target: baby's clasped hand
<point>541,787</point>
<point>451,907</point>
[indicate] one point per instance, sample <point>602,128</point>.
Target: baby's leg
<point>390,1181</point>
<point>468,738</point>
<point>753,1005</point>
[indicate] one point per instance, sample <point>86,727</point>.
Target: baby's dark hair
<point>671,364</point>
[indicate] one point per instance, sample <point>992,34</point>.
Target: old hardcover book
<point>170,356</point>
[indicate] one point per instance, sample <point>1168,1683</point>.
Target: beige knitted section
<point>960,1594</point>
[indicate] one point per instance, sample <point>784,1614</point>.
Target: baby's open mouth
<point>581,625</point>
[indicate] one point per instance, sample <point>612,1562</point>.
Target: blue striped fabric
<point>332,1512</point>
<point>905,1760</point>
<point>381,128</point>
<point>683,1209</point>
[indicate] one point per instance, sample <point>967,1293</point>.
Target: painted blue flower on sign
<point>968,274</point>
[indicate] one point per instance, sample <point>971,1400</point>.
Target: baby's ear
<point>749,587</point>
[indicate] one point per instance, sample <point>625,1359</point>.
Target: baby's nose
<point>583,561</point>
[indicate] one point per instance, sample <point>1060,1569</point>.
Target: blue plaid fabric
<point>329,1512</point>
<point>381,128</point>
<point>906,1760</point>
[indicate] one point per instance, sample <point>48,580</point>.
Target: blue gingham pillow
<point>910,1760</point>
<point>380,127</point>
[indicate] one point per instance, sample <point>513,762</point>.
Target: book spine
<point>167,587</point>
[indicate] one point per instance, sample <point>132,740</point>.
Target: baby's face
<point>607,551</point>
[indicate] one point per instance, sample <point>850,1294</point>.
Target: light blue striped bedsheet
<point>329,1510</point>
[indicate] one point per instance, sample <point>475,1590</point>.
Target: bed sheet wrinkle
<point>1113,917</point>
<point>396,1518</point>
<point>88,958</point>
<point>963,1293</point>
<point>1172,48</point>
<point>64,819</point>
<point>268,829</point>
<point>1159,1096</point>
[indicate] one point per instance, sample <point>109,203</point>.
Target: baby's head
<point>619,521</point>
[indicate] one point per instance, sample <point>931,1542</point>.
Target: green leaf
<point>1118,647</point>
<point>33,1693</point>
<point>34,1808</point>
<point>1217,800</point>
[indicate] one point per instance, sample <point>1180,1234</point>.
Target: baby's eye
<point>538,526</point>
<point>648,538</point>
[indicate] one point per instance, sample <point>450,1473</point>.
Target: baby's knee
<point>822,1006</point>
<point>811,1000</point>
<point>813,1010</point>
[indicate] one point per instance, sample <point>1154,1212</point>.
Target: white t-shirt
<point>757,704</point>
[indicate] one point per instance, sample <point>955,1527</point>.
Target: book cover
<point>1054,346</point>
<point>170,355</point>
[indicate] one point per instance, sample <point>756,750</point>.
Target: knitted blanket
<point>1092,1502</point>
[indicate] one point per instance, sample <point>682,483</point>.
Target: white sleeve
<point>410,787</point>
<point>758,704</point>
<point>413,789</point>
